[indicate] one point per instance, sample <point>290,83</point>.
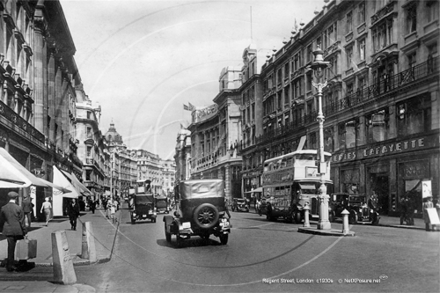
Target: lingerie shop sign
<point>389,148</point>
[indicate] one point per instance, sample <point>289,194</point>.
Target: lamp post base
<point>324,225</point>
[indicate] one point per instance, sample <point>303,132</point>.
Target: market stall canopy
<point>60,180</point>
<point>13,172</point>
<point>78,185</point>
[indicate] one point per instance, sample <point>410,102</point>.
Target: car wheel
<point>224,238</point>
<point>167,234</point>
<point>206,216</point>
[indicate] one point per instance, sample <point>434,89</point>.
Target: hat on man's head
<point>12,194</point>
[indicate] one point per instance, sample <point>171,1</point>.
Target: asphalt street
<point>263,256</point>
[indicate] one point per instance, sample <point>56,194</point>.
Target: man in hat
<point>13,227</point>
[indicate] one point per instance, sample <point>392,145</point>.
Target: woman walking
<point>46,207</point>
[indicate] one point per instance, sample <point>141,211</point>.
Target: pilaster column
<point>40,116</point>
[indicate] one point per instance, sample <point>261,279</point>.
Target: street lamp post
<point>318,65</point>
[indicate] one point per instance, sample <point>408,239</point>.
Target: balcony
<point>21,126</point>
<point>387,86</point>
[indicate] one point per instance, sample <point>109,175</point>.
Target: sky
<point>141,60</point>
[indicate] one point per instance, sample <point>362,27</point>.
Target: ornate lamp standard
<point>318,65</point>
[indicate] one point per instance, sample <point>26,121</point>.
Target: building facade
<point>381,102</point>
<point>215,133</point>
<point>38,76</point>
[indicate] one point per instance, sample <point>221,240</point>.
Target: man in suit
<point>12,226</point>
<point>27,206</point>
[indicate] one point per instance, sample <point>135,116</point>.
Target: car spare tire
<point>206,216</point>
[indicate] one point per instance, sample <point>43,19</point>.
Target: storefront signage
<point>395,147</point>
<point>419,143</point>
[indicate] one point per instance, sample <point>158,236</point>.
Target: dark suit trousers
<point>12,242</point>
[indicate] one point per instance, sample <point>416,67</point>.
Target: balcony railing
<point>377,90</point>
<point>17,120</point>
<point>387,85</point>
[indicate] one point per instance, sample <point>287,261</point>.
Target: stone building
<point>381,102</point>
<point>38,76</point>
<point>215,133</point>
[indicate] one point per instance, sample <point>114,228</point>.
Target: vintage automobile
<point>201,211</point>
<point>143,208</point>
<point>162,204</point>
<point>361,211</point>
<point>240,205</point>
<point>337,203</point>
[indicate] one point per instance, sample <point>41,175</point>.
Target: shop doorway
<point>381,187</point>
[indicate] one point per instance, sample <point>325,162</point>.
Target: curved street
<point>263,256</point>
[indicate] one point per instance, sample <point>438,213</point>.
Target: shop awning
<point>12,171</point>
<point>58,187</point>
<point>78,185</point>
<point>60,180</point>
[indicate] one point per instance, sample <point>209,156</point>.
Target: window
<point>286,70</point>
<point>382,35</point>
<point>309,53</point>
<point>414,116</point>
<point>313,141</point>
<point>361,49</point>
<point>349,53</point>
<point>411,18</point>
<point>309,78</point>
<point>432,10</point>
<point>349,23</point>
<point>89,115</point>
<point>89,132</point>
<point>348,134</point>
<point>332,70</point>
<point>279,76</point>
<point>286,95</point>
<point>280,100</point>
<point>377,126</point>
<point>361,13</point>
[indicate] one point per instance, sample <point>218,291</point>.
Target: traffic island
<point>316,231</point>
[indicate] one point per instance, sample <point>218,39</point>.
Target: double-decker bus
<point>291,181</point>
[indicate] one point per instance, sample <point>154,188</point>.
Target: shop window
<point>377,126</point>
<point>414,116</point>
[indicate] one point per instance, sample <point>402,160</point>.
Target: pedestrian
<point>12,226</point>
<point>73,212</point>
<point>427,204</point>
<point>92,206</point>
<point>403,210</point>
<point>108,209</point>
<point>46,207</point>
<point>112,208</point>
<point>104,206</point>
<point>27,207</point>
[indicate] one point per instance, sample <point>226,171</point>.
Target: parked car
<point>240,205</point>
<point>143,208</point>
<point>361,210</point>
<point>201,211</point>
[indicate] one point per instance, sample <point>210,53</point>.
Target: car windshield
<point>144,199</point>
<point>357,199</point>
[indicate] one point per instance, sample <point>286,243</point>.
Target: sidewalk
<point>39,276</point>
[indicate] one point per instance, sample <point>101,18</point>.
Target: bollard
<point>88,250</point>
<point>345,225</point>
<point>63,270</point>
<point>306,216</point>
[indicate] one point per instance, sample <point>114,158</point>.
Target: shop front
<point>391,170</point>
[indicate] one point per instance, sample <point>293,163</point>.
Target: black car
<point>143,208</point>
<point>361,210</point>
<point>201,212</point>
<point>240,205</point>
